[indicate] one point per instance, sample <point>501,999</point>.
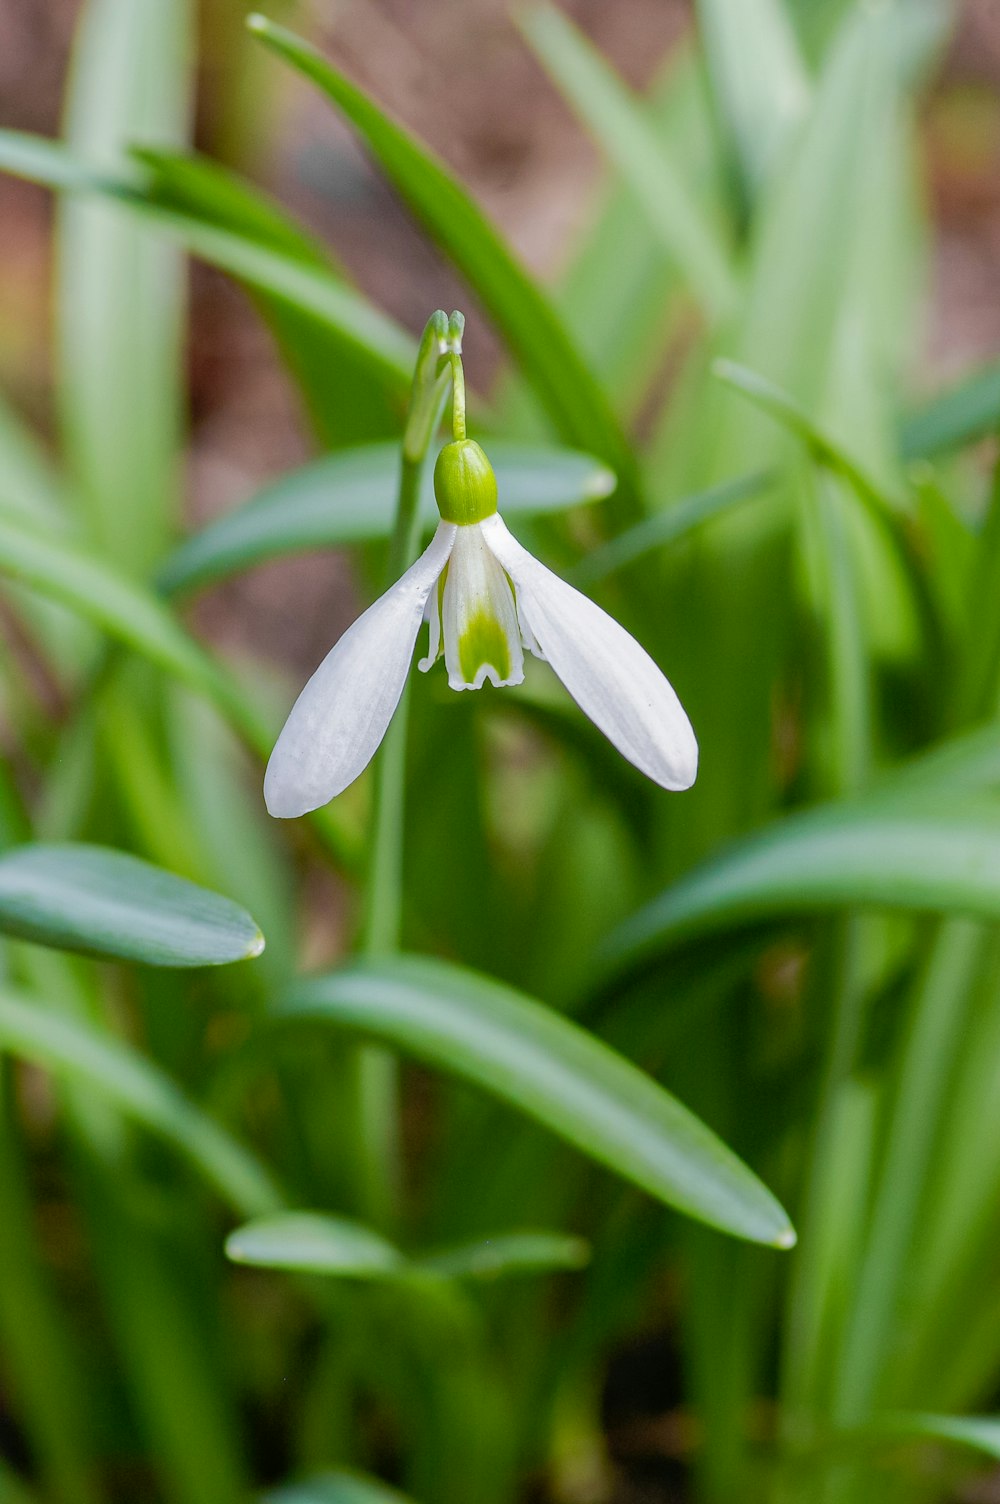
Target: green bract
<point>464,483</point>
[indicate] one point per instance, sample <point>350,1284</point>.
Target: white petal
<point>609,675</point>
<point>341,716</point>
<point>482,639</point>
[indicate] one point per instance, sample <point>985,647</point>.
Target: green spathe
<point>464,483</point>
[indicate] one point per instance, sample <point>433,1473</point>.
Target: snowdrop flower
<point>486,600</point>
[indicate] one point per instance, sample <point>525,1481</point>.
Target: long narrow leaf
<point>758,77</point>
<point>66,572</point>
<point>668,526</point>
<point>546,1067</point>
<point>86,1058</point>
<point>621,130</point>
<point>525,316</point>
<point>959,416</point>
<point>837,857</point>
<point>369,335</point>
<point>346,395</point>
<point>350,497</point>
<point>120,287</point>
<point>335,1488</point>
<point>80,579</point>
<point>107,903</point>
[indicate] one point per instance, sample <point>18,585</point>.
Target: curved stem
<point>457,396</point>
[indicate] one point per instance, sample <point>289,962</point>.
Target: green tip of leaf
<point>256,946</point>
<point>256,22</point>
<point>600,484</point>
<point>786,1239</point>
<point>725,370</point>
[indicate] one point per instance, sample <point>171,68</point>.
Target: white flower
<point>486,600</point>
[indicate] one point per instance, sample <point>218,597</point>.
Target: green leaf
<point>622,292</point>
<point>786,411</point>
<point>317,1243</point>
<point>509,1253</point>
<point>28,482</point>
<point>758,78</point>
<point>668,526</point>
<point>622,131</point>
<point>525,316</point>
<point>350,497</point>
<point>335,1488</point>
<point>39,160</point>
<point>30,487</point>
<point>100,1063</point>
<point>364,333</point>
<point>548,1068</point>
<point>841,856</point>
<point>347,399</point>
<point>979,1432</point>
<point>202,188</point>
<point>120,288</point>
<point>959,416</point>
<point>13,1489</point>
<point>107,903</point>
<point>67,572</point>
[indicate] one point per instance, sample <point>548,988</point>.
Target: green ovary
<point>483,642</point>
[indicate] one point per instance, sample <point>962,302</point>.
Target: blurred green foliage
<point>786,981</point>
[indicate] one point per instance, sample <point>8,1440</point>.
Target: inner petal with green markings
<point>482,639</point>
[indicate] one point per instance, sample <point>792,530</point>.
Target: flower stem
<point>439,365</point>
<point>457,396</point>
<point>383,897</point>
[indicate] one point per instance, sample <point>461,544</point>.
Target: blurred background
<point>673,1370</point>
<point>459,73</point>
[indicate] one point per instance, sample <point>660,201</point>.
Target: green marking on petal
<point>483,642</point>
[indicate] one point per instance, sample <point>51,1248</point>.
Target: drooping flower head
<point>487,601</point>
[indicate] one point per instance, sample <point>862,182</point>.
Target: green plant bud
<point>464,483</point>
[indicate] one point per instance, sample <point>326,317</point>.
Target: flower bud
<point>464,483</point>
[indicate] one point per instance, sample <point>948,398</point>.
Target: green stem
<point>457,397</point>
<point>375,1083</point>
<point>824,1238</point>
